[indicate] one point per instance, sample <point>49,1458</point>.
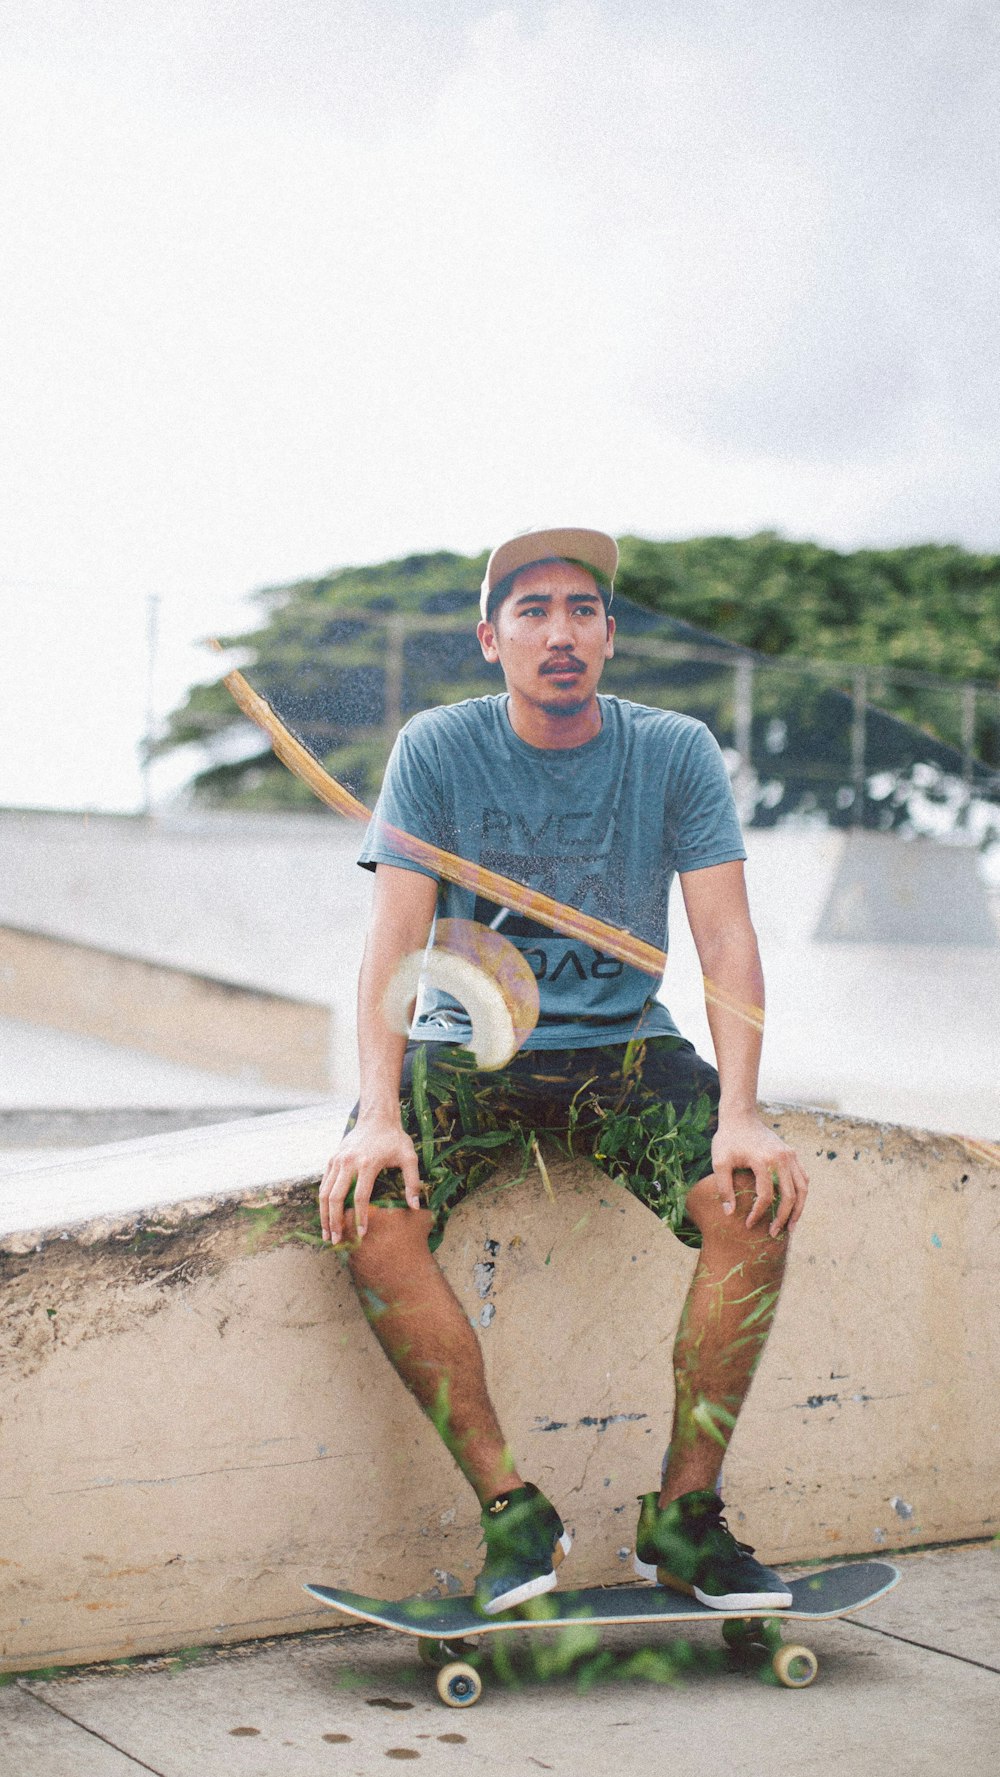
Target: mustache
<point>569,665</point>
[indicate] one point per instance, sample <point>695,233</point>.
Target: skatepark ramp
<point>197,1419</point>
<point>203,1022</point>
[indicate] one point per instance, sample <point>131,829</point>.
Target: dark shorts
<point>645,1111</point>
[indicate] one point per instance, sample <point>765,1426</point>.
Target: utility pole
<point>145,747</point>
<point>968,733</point>
<point>858,744</point>
<point>742,732</point>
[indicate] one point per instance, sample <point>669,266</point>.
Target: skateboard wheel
<point>459,1685</point>
<point>795,1666</point>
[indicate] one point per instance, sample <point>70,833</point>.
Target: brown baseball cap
<point>595,548</point>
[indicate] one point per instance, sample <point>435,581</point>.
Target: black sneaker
<point>689,1547</point>
<point>525,1542</point>
<point>646,1559</point>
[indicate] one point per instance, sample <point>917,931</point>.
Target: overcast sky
<point>290,284</point>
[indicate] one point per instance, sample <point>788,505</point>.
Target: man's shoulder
<point>651,723</point>
<point>452,721</point>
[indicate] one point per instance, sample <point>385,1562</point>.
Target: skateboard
<point>445,1627</point>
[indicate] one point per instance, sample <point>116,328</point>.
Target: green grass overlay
<point>465,1123</point>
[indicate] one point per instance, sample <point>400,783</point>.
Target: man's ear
<point>610,646</point>
<point>488,641</point>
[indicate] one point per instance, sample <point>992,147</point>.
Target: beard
<point>578,705</point>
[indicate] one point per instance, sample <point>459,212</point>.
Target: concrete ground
<point>909,1688</point>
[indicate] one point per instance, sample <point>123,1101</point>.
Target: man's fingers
<point>326,1186</point>
<point>338,1178</point>
<point>335,1186</point>
<point>364,1184</point>
<point>360,1164</point>
<point>765,1180</point>
<point>724,1186</point>
<point>793,1186</point>
<point>779,1185</point>
<point>411,1180</point>
<point>800,1180</point>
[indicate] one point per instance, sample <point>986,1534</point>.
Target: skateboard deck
<point>441,1625</point>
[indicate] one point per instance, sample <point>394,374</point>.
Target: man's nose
<point>560,634</point>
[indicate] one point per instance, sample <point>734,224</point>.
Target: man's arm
<point>719,916</point>
<point>402,910</point>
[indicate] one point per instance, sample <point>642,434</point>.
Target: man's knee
<point>393,1236</point>
<point>704,1207</point>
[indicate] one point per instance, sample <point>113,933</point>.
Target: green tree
<point>931,609</point>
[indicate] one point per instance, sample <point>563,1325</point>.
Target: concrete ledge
<point>34,1127</point>
<point>174,1013</point>
<point>196,1418</point>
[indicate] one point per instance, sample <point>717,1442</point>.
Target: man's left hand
<point>744,1142</point>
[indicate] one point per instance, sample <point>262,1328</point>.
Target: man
<point>597,802</point>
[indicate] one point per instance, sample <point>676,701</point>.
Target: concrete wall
<point>901,1030</point>
<point>190,1018</point>
<point>196,1418</point>
<point>271,902</point>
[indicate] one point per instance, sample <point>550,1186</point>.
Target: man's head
<point>550,631</point>
<point>594,551</point>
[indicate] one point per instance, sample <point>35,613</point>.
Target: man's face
<point>551,636</point>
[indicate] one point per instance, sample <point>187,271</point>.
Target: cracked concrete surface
<point>911,1687</point>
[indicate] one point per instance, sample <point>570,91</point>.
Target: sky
<point>288,285</point>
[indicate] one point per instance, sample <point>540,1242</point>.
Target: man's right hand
<point>366,1150</point>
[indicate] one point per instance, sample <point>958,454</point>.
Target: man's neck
<point>554,733</point>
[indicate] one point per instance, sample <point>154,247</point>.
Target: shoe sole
<point>750,1601</point>
<point>730,1601</point>
<point>543,1582</point>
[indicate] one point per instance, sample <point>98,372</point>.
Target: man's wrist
<point>376,1112</point>
<point>740,1106</point>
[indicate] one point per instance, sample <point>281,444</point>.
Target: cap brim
<point>595,548</point>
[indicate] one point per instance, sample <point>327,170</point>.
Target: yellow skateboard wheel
<point>459,1685</point>
<point>795,1666</point>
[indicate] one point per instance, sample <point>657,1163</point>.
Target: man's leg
<point>731,1302</point>
<point>683,1539</point>
<point>724,1326</point>
<point>423,1330</point>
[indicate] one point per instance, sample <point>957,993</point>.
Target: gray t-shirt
<point>602,827</point>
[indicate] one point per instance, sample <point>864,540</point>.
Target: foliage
<point>465,1123</point>
<point>929,608</point>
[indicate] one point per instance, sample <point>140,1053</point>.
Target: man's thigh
<point>657,1111</point>
<point>464,1123</point>
<point>646,1111</point>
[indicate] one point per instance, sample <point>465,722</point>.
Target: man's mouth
<point>564,669</point>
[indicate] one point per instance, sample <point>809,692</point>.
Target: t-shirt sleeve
<point>701,812</point>
<point>410,800</point>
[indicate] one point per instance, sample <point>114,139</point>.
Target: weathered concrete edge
<point>168,1215</point>
<point>181,1014</point>
<point>171,1209</point>
<point>244,990</point>
<point>152,1175</point>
